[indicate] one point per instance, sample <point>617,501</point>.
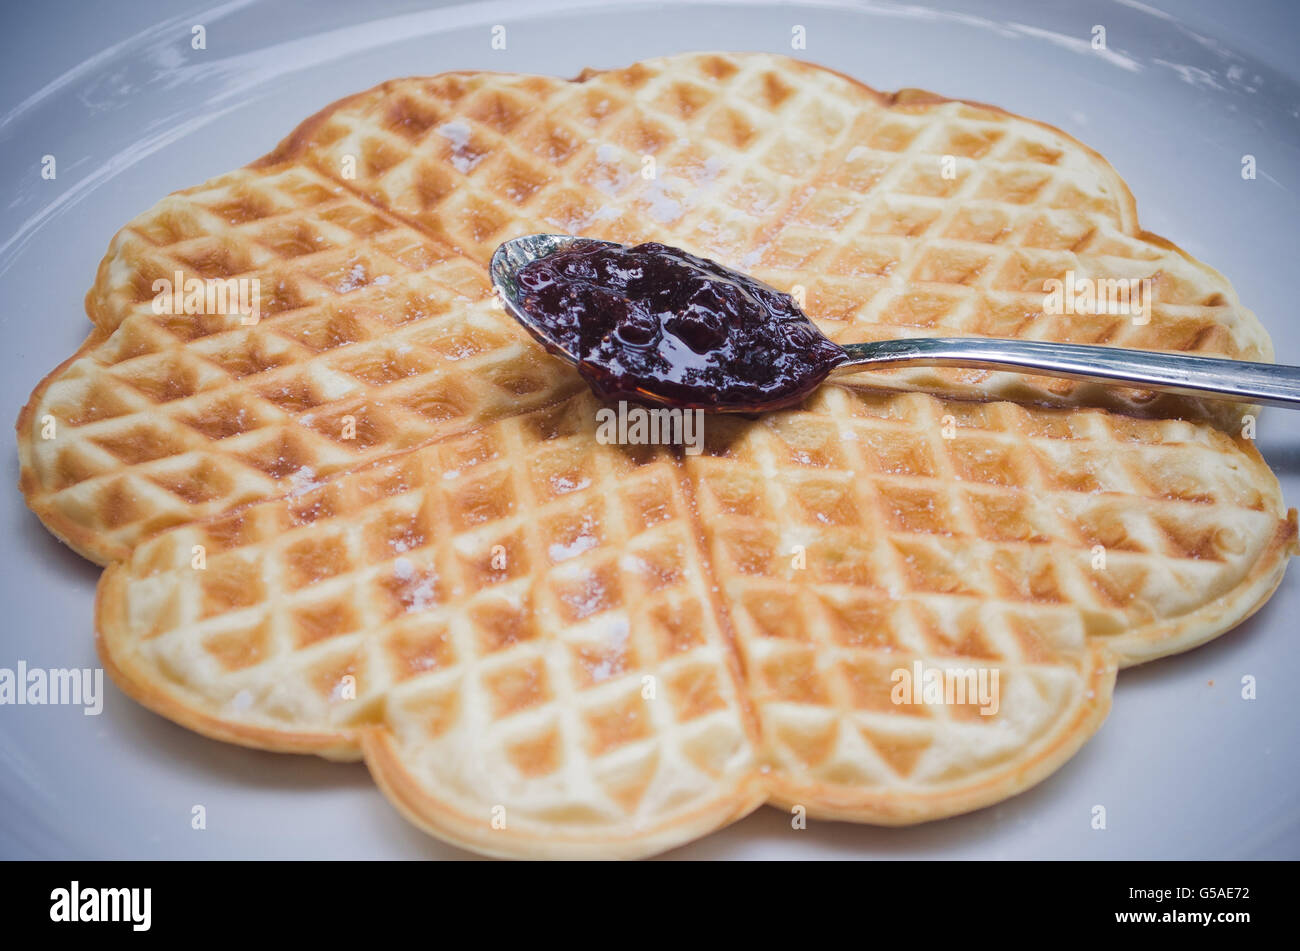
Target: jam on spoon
<point>656,323</point>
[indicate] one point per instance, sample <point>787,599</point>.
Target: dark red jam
<point>656,323</point>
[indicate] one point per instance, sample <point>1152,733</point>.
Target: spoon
<point>1179,373</point>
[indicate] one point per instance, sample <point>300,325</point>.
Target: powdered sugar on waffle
<point>458,133</point>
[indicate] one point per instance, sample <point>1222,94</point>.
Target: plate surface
<point>1184,766</point>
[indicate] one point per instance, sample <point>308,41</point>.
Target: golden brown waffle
<point>349,464</point>
<point>372,338</point>
<point>978,551</point>
<point>584,688</point>
<point>498,600</point>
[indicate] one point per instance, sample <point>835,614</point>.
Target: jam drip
<point>655,322</point>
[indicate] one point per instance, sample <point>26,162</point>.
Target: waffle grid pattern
<point>512,588</point>
<point>351,603</point>
<point>362,350</point>
<point>519,683</point>
<point>971,550</point>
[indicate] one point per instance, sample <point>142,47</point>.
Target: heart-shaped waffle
<point>379,523</point>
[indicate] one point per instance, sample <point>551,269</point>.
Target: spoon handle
<point>1168,372</point>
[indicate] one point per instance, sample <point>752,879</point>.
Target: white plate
<point>1184,766</point>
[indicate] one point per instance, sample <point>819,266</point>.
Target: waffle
<point>974,552</point>
<point>162,419</point>
<point>784,169</point>
<point>498,600</point>
<point>586,687</point>
<point>377,523</point>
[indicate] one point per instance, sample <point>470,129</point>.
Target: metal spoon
<point>1237,380</point>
